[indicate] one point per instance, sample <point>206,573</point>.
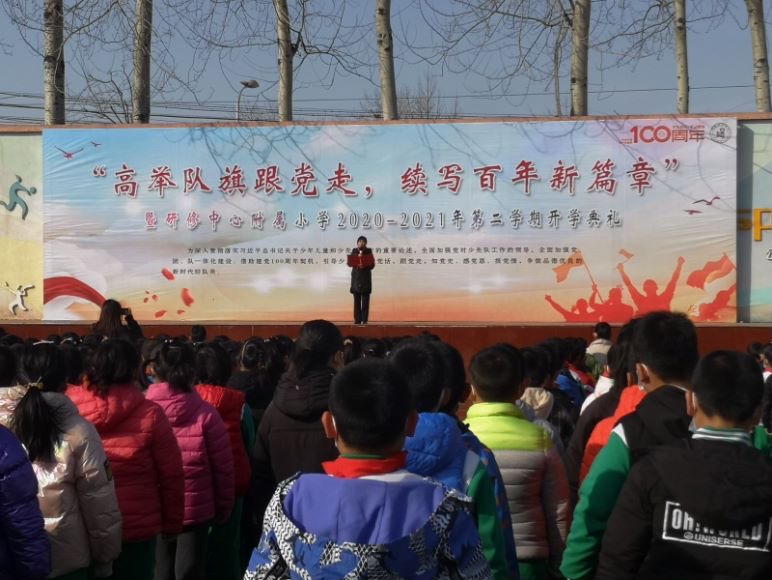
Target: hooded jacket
<point>230,404</point>
<point>76,492</point>
<point>290,437</point>
<point>25,553</point>
<point>698,510</point>
<point>393,526</point>
<point>144,455</point>
<point>207,459</point>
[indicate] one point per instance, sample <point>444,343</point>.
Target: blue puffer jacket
<point>437,450</point>
<point>25,553</point>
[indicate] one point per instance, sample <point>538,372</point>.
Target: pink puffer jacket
<point>207,458</point>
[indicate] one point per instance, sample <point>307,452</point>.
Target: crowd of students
<point>334,457</point>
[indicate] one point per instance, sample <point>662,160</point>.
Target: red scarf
<point>350,467</point>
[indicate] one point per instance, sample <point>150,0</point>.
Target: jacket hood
<point>179,407</point>
<point>727,490</point>
<point>437,449</point>
<point>540,400</point>
<point>306,398</point>
<point>108,411</point>
<point>363,511</point>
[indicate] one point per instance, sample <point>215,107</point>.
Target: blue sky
<point>720,70</point>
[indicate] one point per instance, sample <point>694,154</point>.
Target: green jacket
<point>597,498</point>
<point>534,478</point>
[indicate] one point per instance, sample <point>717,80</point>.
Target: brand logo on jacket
<point>679,526</point>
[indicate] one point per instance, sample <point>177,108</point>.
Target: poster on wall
<point>754,222</point>
<point>21,227</point>
<point>469,222</point>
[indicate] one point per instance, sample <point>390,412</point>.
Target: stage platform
<point>468,338</point>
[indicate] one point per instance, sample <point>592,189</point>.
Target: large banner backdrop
<point>477,222</point>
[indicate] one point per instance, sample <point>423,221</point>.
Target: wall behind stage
<point>476,222</point>
<point>21,227</point>
<point>754,221</point>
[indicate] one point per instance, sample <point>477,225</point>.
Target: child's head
<point>318,345</point>
<point>455,377</point>
<point>213,365</point>
<point>622,368</point>
<point>497,374</point>
<point>728,389</point>
<point>766,356</point>
<point>371,408</point>
<point>665,345</point>
<point>114,362</point>
<point>420,361</point>
<point>198,334</point>
<point>536,366</point>
<point>43,364</point>
<point>602,330</point>
<point>175,363</point>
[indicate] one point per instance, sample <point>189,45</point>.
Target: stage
<point>468,338</point>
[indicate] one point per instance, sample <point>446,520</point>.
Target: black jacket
<point>290,437</point>
<point>697,510</point>
<point>361,278</point>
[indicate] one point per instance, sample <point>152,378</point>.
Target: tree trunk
<point>682,61</point>
<point>143,33</point>
<point>53,61</point>
<point>579,56</point>
<point>286,56</point>
<point>386,58</point>
<point>760,60</point>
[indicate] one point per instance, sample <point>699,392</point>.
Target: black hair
<point>8,366</point>
<point>577,350</point>
<point>37,425</point>
<point>420,361</point>
<point>371,403</point>
<point>113,362</point>
<point>73,362</point>
<point>754,349</point>
<point>455,375</point>
<point>603,330</point>
<point>361,238</point>
<point>373,347</point>
<point>198,333</point>
<point>352,349</point>
<point>285,345</point>
<point>497,373</point>
<point>666,342</point>
<point>728,384</point>
<point>109,323</point>
<point>175,363</point>
<point>213,365</point>
<point>624,356</point>
<point>536,365</point>
<point>317,343</point>
<point>556,351</point>
<point>766,352</point>
<point>263,365</point>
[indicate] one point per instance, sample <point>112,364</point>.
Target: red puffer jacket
<point>145,458</point>
<point>230,404</point>
<point>628,402</point>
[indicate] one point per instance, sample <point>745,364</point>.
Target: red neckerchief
<point>349,468</point>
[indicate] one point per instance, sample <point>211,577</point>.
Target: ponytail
<point>37,425</point>
<point>318,342</point>
<point>175,364</point>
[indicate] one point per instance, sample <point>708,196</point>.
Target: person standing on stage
<point>361,281</point>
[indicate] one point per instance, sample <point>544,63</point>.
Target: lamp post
<point>248,84</point>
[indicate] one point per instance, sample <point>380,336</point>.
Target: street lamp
<point>248,84</point>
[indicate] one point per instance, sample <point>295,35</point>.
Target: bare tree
<point>760,59</point>
<point>422,102</point>
<point>580,37</point>
<point>682,61</point>
<point>53,61</point>
<point>143,34</point>
<point>386,59</point>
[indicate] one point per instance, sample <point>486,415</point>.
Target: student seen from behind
<point>701,508</point>
<point>535,479</point>
<point>374,516</point>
